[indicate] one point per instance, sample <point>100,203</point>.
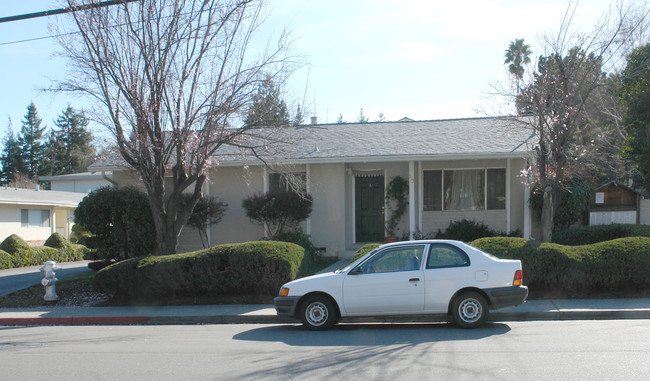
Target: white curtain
<point>463,190</point>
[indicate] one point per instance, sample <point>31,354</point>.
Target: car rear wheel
<point>469,310</point>
<point>318,313</point>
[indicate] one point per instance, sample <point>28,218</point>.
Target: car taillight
<point>519,277</point>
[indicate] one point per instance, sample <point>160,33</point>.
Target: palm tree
<point>517,55</point>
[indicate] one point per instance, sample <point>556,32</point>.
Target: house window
<point>496,188</point>
<point>432,190</point>
<point>464,189</point>
<point>295,181</point>
<point>35,218</point>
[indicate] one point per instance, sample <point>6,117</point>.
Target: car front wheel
<point>318,313</point>
<point>469,310</point>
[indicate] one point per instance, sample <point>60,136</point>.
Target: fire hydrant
<point>49,280</point>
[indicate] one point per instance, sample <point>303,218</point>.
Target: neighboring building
<point>84,182</point>
<point>460,168</point>
<point>34,215</point>
<point>614,203</point>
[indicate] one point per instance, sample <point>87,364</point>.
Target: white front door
<point>391,281</point>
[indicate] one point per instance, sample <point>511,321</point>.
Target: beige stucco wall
<point>10,223</point>
<point>233,184</point>
<point>644,217</point>
<point>329,224</point>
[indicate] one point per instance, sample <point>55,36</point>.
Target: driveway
<point>16,279</point>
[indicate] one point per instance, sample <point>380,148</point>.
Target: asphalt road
<point>557,350</point>
<point>16,279</point>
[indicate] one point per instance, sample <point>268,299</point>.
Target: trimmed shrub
<point>120,221</point>
<point>57,241</point>
<point>304,240</point>
<point>13,243</point>
<point>278,211</point>
<point>365,249</point>
<point>253,268</point>
<point>467,231</point>
<point>6,260</point>
<point>599,233</point>
<point>614,266</point>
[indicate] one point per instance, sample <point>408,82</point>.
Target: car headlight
<point>284,291</point>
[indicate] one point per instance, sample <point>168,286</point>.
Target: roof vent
<point>314,120</point>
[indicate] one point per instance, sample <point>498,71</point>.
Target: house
<point>615,203</point>
<point>35,214</point>
<point>457,168</point>
<point>84,182</point>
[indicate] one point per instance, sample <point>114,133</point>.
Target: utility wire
<point>63,10</point>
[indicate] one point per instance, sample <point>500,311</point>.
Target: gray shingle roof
<point>40,198</point>
<point>452,138</point>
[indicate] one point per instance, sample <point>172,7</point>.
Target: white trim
<point>354,206</point>
<point>265,180</point>
<point>361,159</point>
<point>209,228</point>
<point>508,206</point>
<point>411,199</point>
<point>527,221</point>
<point>420,195</point>
<point>308,189</point>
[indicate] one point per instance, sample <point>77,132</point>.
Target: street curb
<point>274,319</point>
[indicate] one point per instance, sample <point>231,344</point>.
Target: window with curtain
<point>464,189</point>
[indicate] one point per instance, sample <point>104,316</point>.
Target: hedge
<point>365,249</point>
<point>253,268</point>
<point>15,252</point>
<point>615,266</point>
<point>599,233</point>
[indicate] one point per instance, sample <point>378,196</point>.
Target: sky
<point>422,59</point>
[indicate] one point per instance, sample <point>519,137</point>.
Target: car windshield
<point>346,268</point>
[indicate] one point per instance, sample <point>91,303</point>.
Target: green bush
<point>613,267</point>
<point>120,221</point>
<point>253,268</point>
<point>57,241</point>
<point>278,211</point>
<point>599,233</point>
<point>302,239</point>
<point>13,243</point>
<point>365,249</point>
<point>6,260</point>
<point>467,231</point>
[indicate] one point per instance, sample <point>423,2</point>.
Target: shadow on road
<point>370,334</point>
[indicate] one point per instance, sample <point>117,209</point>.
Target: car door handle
<point>414,280</point>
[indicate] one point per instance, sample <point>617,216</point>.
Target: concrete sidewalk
<point>576,309</point>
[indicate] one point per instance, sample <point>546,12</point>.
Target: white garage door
<point>606,218</point>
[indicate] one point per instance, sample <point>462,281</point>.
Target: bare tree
<point>173,78</point>
<point>561,95</point>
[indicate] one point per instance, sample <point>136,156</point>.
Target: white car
<point>408,278</point>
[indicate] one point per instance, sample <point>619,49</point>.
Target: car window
<point>395,259</point>
<point>446,256</point>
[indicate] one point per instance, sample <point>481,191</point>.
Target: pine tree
<point>31,142</point>
<point>267,109</point>
<point>11,158</point>
<point>298,118</point>
<point>70,146</point>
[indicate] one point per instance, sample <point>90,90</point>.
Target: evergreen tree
<point>339,120</point>
<point>362,118</point>
<point>11,158</point>
<point>31,142</point>
<point>298,118</point>
<point>69,147</point>
<point>268,109</point>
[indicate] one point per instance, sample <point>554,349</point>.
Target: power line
<point>63,10</point>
